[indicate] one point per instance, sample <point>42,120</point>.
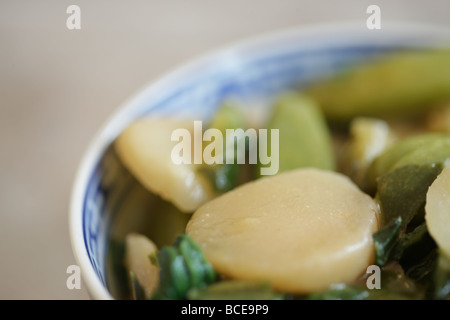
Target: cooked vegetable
<point>235,290</point>
<point>415,251</point>
<point>144,275</point>
<point>401,83</point>
<point>435,152</point>
<point>437,210</point>
<point>300,230</point>
<point>385,240</point>
<point>230,115</point>
<point>183,267</point>
<point>427,148</point>
<point>363,178</point>
<point>403,191</point>
<point>226,176</point>
<point>369,137</point>
<point>145,148</point>
<point>304,137</point>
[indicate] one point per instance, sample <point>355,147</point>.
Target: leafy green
<point>402,192</point>
<point>415,252</point>
<point>385,162</point>
<point>182,267</point>
<point>224,177</point>
<point>385,240</point>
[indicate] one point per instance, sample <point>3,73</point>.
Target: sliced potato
<point>300,230</point>
<point>437,210</point>
<point>138,249</point>
<point>145,148</point>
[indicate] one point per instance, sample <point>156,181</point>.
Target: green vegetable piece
<point>389,159</point>
<point>229,116</point>
<point>304,137</point>
<point>235,290</point>
<point>402,192</point>
<point>180,276</point>
<point>193,263</point>
<point>436,152</point>
<point>385,240</point>
<point>414,248</point>
<point>199,269</point>
<point>174,280</point>
<point>226,176</point>
<point>400,83</point>
<point>182,267</point>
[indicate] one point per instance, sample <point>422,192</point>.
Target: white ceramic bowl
<point>255,71</point>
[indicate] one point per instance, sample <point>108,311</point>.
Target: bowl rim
<point>130,110</point>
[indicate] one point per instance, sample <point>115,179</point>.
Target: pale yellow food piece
<point>369,138</point>
<point>437,210</point>
<point>138,249</point>
<point>145,148</point>
<point>301,230</point>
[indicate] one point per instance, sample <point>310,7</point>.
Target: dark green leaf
<point>385,240</point>
<point>414,251</point>
<point>402,192</point>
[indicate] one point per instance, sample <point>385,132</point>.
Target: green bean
<point>401,83</point>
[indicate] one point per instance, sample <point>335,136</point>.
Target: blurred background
<point>58,87</point>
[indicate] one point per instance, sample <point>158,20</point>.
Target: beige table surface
<point>57,86</point>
